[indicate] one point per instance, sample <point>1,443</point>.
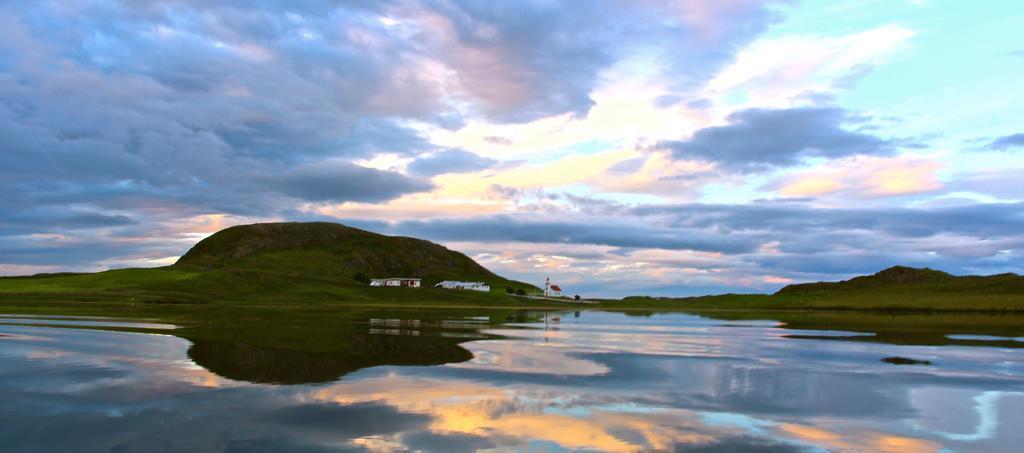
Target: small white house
<point>396,282</point>
<point>455,284</point>
<point>551,290</point>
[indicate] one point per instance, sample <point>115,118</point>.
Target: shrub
<point>520,292</point>
<point>361,278</point>
<point>510,290</point>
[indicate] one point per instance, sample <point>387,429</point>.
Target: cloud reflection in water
<point>598,382</point>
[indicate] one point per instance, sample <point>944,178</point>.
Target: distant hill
<point>331,249</point>
<point>902,278</point>
<point>278,262</point>
<point>896,289</point>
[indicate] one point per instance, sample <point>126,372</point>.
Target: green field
<point>894,300</point>
<point>178,285</point>
<point>897,289</point>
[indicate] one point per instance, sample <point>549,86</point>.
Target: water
<point>589,381</point>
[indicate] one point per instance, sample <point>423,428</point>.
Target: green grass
<point>118,278</point>
<point>232,286</point>
<point>887,300</point>
<point>897,289</point>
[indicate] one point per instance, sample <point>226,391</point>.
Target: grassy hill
<point>894,289</point>
<point>276,262</point>
<point>902,279</point>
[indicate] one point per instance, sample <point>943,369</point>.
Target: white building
<point>455,284</point>
<point>396,282</point>
<point>551,290</point>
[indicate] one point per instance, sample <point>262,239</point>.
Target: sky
<point>619,147</point>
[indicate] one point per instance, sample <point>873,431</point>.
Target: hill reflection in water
<point>600,381</point>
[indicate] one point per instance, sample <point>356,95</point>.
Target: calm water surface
<point>588,381</point>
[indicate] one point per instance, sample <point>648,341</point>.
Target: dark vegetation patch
<point>905,361</point>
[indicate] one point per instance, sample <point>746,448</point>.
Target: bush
<point>577,297</point>
<point>520,292</point>
<point>510,290</point>
<point>361,278</point>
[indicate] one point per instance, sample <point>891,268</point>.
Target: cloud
<point>1005,184</point>
<point>775,71</point>
<point>982,220</point>
<point>738,229</point>
<point>341,181</point>
<point>760,139</point>
<point>449,161</point>
<point>617,234</point>
<point>522,61</point>
<point>1007,142</point>
<point>862,177</point>
<point>452,442</point>
<point>347,420</point>
<point>42,220</point>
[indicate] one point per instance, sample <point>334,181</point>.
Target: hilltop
<point>896,289</point>
<point>902,278</point>
<point>276,262</point>
<point>331,250</point>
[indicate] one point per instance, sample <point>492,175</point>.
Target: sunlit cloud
<point>774,72</point>
<point>864,177</point>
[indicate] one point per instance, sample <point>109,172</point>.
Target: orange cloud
<point>864,177</point>
<point>861,441</point>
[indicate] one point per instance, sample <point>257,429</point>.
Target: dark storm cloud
<point>742,444</point>
<point>546,57</point>
<point>284,444</point>
<point>506,228</point>
<point>523,60</point>
<point>351,420</point>
<point>835,263</point>
<point>450,161</point>
<point>1007,142</point>
<point>162,109</point>
<point>759,139</point>
<point>452,443</point>
<point>342,181</point>
<point>975,220</point>
<point>41,220</point>
<point>737,229</point>
<point>83,252</point>
<point>179,106</point>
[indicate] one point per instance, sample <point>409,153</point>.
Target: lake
<point>569,381</point>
